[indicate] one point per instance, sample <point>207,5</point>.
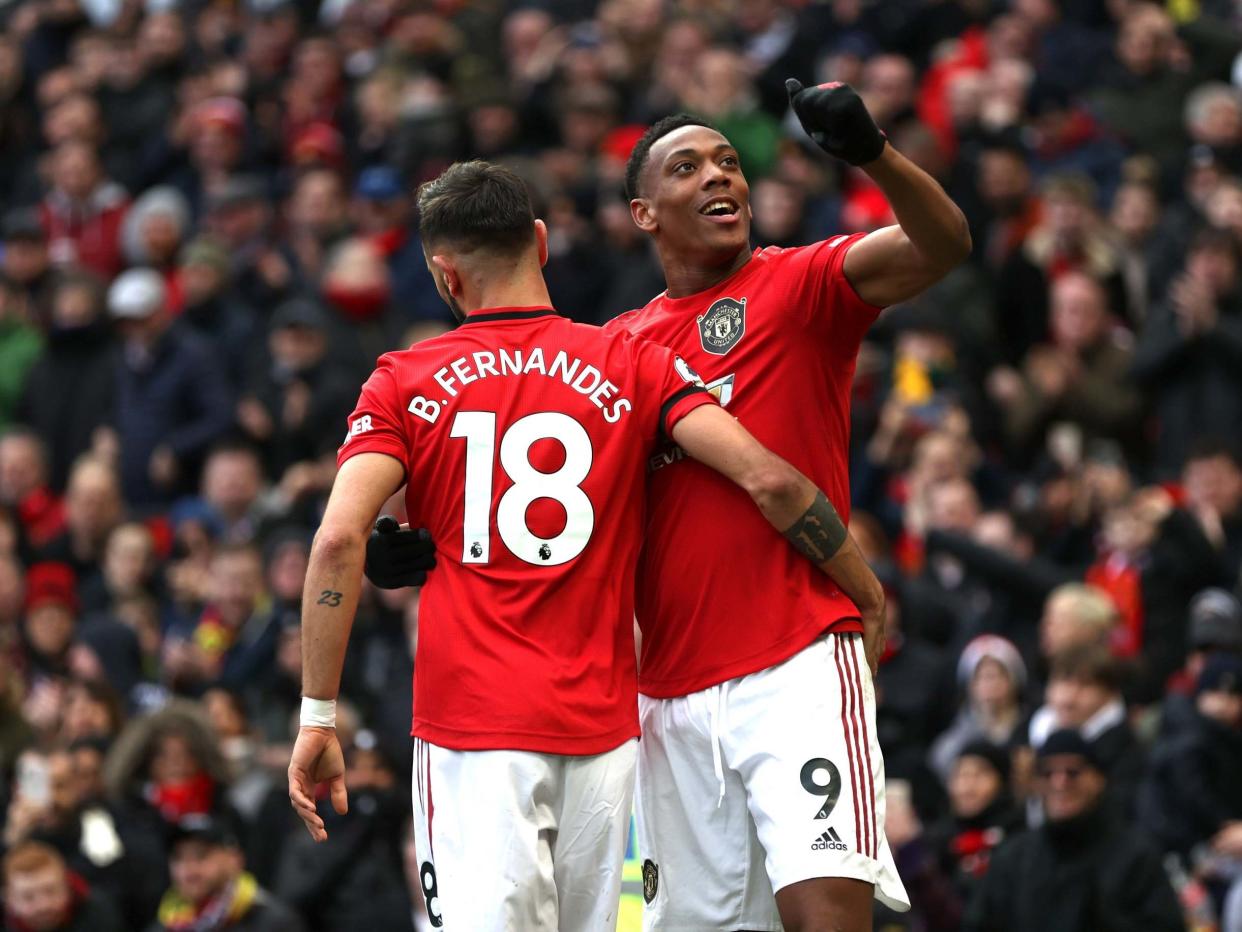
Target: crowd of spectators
<point>205,240</point>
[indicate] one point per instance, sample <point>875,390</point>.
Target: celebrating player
<point>759,768</point>
<point>522,439</point>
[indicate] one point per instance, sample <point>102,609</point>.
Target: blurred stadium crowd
<point>206,242</point>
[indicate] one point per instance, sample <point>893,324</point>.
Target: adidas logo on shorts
<point>829,841</point>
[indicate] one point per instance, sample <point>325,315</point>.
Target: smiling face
<point>693,197</point>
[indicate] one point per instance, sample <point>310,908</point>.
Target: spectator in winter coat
<point>1215,627</point>
<point>25,264</point>
<point>982,815</point>
<point>1083,870</point>
<point>1189,353</point>
<point>1193,792</point>
<point>172,399</point>
<point>296,403</point>
<point>69,392</point>
<point>211,889</point>
<point>40,895</point>
<point>211,308</point>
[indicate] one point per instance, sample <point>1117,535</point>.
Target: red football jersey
<point>720,592</point>
<point>525,439</point>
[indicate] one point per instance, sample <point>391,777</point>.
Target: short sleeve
<point>677,386</point>
<point>378,424</point>
<point>833,306</point>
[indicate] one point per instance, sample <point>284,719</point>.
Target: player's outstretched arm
<point>793,505</point>
<point>329,600</point>
<point>931,237</point>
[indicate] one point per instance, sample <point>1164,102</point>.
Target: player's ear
<point>541,238</point>
<point>644,217</point>
<point>448,271</point>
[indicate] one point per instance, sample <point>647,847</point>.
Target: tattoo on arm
<point>329,598</point>
<point>819,533</point>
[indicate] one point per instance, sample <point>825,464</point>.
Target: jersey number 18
<point>564,485</point>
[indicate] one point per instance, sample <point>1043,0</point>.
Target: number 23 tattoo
<point>329,598</point>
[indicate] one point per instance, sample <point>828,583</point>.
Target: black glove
<point>397,558</point>
<point>836,118</point>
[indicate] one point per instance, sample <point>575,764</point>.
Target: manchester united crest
<point>651,880</point>
<point>722,325</point>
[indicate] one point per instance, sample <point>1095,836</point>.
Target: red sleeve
<point>678,387</point>
<point>834,307</point>
<point>378,424</point>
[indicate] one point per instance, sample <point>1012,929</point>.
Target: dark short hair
<point>1210,447</point>
<point>1089,664</point>
<point>657,131</point>
<point>477,205</point>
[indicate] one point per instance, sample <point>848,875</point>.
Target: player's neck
<point>509,294</point>
<point>684,276</point>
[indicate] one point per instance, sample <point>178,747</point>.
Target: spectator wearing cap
<point>172,399</point>
<point>152,234</point>
<point>982,814</point>
<point>292,405</point>
<point>211,889</point>
<point>1084,694</point>
<point>48,628</point>
<point>1083,870</point>
<point>69,392</point>
<point>213,310</point>
<point>1079,376</point>
<point>992,678</point>
<point>41,895</point>
<point>239,215</point>
<point>1215,627</point>
<point>381,211</point>
<point>1192,794</point>
<point>25,263</point>
<point>83,211</point>
<point>216,130</point>
<point>1189,352</point>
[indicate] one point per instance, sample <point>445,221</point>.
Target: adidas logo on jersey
<point>829,841</point>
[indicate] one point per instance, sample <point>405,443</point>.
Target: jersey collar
<point>489,315</point>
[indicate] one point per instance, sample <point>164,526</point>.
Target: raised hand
<point>836,118</point>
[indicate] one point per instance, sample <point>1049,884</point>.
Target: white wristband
<point>318,713</point>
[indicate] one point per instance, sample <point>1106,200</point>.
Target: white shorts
<point>517,841</point>
<point>765,780</point>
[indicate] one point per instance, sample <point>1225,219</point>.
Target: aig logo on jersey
<point>723,325</point>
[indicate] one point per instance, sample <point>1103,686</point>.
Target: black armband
<point>819,533</point>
